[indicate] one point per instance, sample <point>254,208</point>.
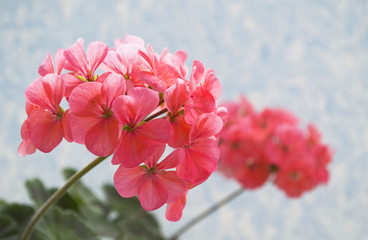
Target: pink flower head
<point>47,123</point>
<point>138,138</point>
<point>158,74</point>
<point>125,60</point>
<point>198,160</point>
<point>152,182</point>
<point>93,121</point>
<point>203,94</point>
<point>83,69</point>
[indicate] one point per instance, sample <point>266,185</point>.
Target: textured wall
<point>309,57</point>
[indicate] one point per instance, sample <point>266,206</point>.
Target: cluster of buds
<point>258,146</point>
<point>141,103</point>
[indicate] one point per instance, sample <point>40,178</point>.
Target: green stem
<point>58,194</point>
<point>204,214</point>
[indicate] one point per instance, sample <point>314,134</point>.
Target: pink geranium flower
<point>152,182</point>
<point>93,121</point>
<point>125,60</point>
<point>83,69</point>
<point>47,123</point>
<point>157,73</point>
<point>198,159</point>
<point>138,138</point>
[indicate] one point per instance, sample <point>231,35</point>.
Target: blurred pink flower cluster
<point>140,104</point>
<point>269,145</point>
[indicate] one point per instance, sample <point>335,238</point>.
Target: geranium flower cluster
<point>140,104</point>
<point>258,146</point>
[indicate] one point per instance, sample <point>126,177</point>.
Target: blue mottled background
<point>310,57</point>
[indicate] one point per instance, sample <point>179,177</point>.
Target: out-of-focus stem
<point>207,212</point>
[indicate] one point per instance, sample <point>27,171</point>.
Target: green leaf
<point>8,228</point>
<point>20,213</point>
<point>63,224</point>
<point>37,191</point>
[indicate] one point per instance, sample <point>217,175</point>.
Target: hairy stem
<point>207,212</point>
<point>58,194</point>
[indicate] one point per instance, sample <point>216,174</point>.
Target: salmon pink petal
<point>212,84</point>
<point>45,130</point>
<point>86,100</point>
<point>80,126</point>
<point>155,132</point>
<point>175,185</point>
<point>197,73</point>
<point>77,58</point>
<point>102,138</point>
<point>155,156</point>
<point>153,81</point>
<point>127,180</point>
<point>131,39</point>
<point>65,121</point>
<point>53,87</point>
<point>35,95</point>
<point>59,61</point>
<point>70,82</point>
<point>152,194</point>
<point>112,62</point>
<point>112,87</point>
<point>200,160</point>
<point>136,105</point>
<point>201,101</point>
<point>47,66</point>
<point>206,125</point>
<point>174,210</point>
<point>180,132</point>
<point>96,52</point>
<point>131,151</point>
<point>26,146</point>
<point>176,96</point>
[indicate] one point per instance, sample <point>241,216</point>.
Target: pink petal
<point>153,81</point>
<point>201,101</point>
<point>154,157</point>
<point>206,125</point>
<point>70,82</point>
<point>176,96</point>
<point>139,103</point>
<point>112,87</point>
<point>45,130</point>
<point>152,194</point>
<point>128,180</point>
<point>174,210</point>
<point>65,121</point>
<point>80,126</point>
<point>131,39</point>
<point>26,146</point>
<point>96,52</point>
<point>200,160</point>
<point>212,84</point>
<point>180,132</point>
<point>195,77</point>
<point>102,139</point>
<point>77,58</point>
<point>112,62</point>
<point>59,60</point>
<point>86,100</point>
<point>136,146</point>
<point>175,185</point>
<point>53,86</point>
<point>47,66</point>
<point>35,95</point>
